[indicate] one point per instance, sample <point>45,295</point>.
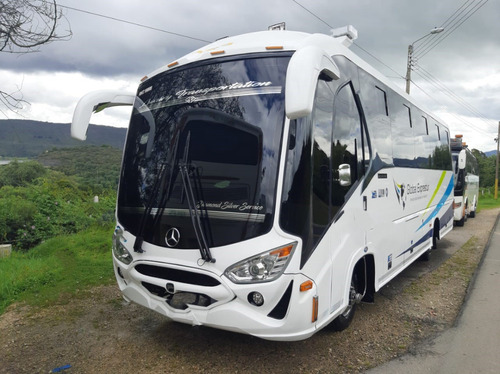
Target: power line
<point>467,123</point>
<point>133,23</point>
<point>445,25</point>
<point>430,78</point>
<point>379,60</point>
<point>356,44</point>
<point>447,91</point>
<point>311,13</point>
<point>449,29</point>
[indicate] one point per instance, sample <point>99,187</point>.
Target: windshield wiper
<point>194,214</point>
<point>184,170</point>
<point>159,182</point>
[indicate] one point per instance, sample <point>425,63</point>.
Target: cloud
<point>106,53</point>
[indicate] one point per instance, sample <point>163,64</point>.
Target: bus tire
<point>435,235</point>
<point>426,256</point>
<point>472,214</point>
<point>345,318</point>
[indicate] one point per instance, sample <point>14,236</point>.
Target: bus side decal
<point>440,204</point>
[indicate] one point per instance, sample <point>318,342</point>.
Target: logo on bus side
<point>400,193</point>
<point>412,191</point>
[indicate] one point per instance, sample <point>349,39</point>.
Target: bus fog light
<point>256,298</point>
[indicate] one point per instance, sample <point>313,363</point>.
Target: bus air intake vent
<point>279,311</point>
<point>177,275</point>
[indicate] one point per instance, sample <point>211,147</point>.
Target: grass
<point>59,267</point>
<point>487,200</point>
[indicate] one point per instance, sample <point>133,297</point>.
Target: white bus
<point>270,182</point>
<point>466,190</point>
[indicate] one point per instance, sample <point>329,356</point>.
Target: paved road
<point>473,345</point>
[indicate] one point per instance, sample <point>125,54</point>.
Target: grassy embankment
<point>58,269</point>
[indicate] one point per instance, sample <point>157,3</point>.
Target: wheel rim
<point>352,300</point>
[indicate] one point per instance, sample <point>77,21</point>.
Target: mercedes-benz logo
<point>172,237</point>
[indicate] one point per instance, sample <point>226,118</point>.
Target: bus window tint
<point>346,142</point>
<point>402,139</point>
<point>375,110</point>
<point>420,136</point>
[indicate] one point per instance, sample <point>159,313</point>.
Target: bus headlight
<point>261,268</point>
<point>119,250</point>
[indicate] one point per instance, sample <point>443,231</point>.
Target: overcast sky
<point>105,53</point>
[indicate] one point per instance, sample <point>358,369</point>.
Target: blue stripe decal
<point>439,205</point>
<point>422,239</point>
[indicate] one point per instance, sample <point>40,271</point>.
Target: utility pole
<point>408,68</point>
<point>498,157</point>
<point>410,63</point>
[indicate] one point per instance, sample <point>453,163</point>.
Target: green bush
<point>18,174</point>
<point>53,204</point>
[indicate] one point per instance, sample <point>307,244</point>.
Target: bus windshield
<point>217,128</point>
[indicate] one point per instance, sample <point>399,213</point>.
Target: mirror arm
<point>94,102</point>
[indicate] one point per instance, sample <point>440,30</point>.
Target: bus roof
<point>259,42</point>
<point>285,40</point>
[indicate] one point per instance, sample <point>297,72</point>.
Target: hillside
<point>95,167</point>
<point>26,138</point>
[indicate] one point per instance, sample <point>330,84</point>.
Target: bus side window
<point>347,146</point>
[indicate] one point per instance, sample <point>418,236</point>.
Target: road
<point>473,344</point>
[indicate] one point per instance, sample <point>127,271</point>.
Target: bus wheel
<point>344,319</point>
<point>435,235</point>
<point>426,256</point>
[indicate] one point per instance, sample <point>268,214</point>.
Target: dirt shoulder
<point>96,332</point>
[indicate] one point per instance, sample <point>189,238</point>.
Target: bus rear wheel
<point>345,318</point>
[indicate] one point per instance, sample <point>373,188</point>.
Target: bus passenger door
<point>347,165</point>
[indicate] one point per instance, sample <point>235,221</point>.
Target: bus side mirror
<point>304,68</point>
<point>461,159</point>
<point>94,102</point>
<point>344,175</point>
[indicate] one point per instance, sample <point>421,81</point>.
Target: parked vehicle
<point>270,182</point>
<point>466,192</point>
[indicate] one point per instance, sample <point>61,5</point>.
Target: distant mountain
<point>490,153</point>
<point>26,138</point>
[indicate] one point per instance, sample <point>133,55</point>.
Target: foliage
<point>96,168</point>
<point>20,173</point>
<point>65,264</point>
<point>53,204</point>
<point>487,167</point>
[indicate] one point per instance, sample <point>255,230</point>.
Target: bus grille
<point>179,299</point>
<point>176,275</point>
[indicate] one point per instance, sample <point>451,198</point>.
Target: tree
<point>26,25</point>
<point>486,168</point>
<point>18,174</point>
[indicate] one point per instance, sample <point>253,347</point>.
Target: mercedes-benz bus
<point>270,182</point>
